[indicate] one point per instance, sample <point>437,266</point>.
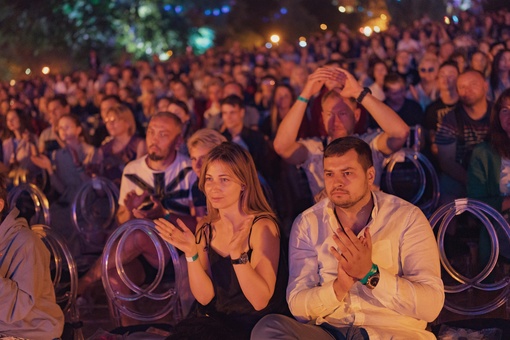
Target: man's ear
<point>371,175</point>
<point>2,205</point>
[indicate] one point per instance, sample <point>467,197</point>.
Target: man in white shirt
<point>340,112</point>
<point>363,264</point>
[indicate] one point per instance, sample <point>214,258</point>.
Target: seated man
<point>340,113</point>
<point>27,297</point>
<point>362,263</point>
<point>154,186</point>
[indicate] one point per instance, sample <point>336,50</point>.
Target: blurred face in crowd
<point>178,111</point>
<point>179,91</point>
<point>12,120</point>
<point>105,106</point>
<point>115,125</point>
<point>55,111</point>
<point>197,155</point>
<point>162,105</point>
<point>230,89</point>
<point>339,116</point>
<point>447,77</point>
<point>395,93</point>
<point>428,71</point>
<point>111,88</point>
<point>214,92</point>
<point>283,98</point>
<point>479,61</point>
<point>162,138</point>
<point>472,88</point>
<point>504,62</point>
<point>380,71</point>
<point>232,116</point>
<point>68,131</point>
<point>504,116</point>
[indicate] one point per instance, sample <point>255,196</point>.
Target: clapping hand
<point>179,236</point>
<point>354,255</point>
<point>239,242</point>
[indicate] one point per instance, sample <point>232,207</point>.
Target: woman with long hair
<point>489,173</point>
<point>68,168</point>
<point>499,79</point>
<point>236,270</point>
<point>19,146</point>
<point>123,145</point>
<point>489,168</point>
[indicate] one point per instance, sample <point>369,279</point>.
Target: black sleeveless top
<point>229,303</point>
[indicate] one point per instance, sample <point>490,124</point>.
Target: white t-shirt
<point>178,179</point>
<point>314,167</point>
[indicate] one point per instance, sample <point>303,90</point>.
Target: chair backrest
<point>169,296</point>
<point>413,184</point>
<point>93,210</point>
<point>487,215</point>
<point>41,204</point>
<point>63,266</point>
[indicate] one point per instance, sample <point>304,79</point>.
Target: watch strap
<point>362,95</point>
<point>370,273</point>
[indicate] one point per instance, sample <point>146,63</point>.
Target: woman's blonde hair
<point>252,200</point>
<point>123,112</point>
<point>205,137</point>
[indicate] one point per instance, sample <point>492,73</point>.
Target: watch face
<point>373,281</point>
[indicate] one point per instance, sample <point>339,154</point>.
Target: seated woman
<point>18,148</point>
<point>489,168</point>
<point>68,169</point>
<point>199,146</point>
<point>236,269</point>
<point>123,145</point>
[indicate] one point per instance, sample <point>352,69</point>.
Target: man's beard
<point>154,157</point>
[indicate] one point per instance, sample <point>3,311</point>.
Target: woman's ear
<point>2,205</point>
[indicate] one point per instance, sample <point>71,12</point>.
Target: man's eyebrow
<point>339,169</point>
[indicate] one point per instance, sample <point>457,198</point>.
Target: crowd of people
<point>240,155</point>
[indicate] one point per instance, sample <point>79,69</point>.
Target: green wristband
<point>192,258</point>
<point>303,99</point>
<point>371,272</point>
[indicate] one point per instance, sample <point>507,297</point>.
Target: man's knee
<point>271,326</point>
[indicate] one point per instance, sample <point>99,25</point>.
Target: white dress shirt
<point>409,293</point>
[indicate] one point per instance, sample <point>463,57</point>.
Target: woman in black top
<point>236,270</point>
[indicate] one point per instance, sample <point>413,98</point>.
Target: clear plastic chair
<point>64,275</point>
<point>412,183</point>
<point>498,288</point>
<point>94,209</point>
<point>40,201</point>
<point>157,291</point>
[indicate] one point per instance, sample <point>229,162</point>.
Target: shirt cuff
<point>327,295</point>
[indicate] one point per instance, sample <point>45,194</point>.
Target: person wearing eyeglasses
<point>426,91</point>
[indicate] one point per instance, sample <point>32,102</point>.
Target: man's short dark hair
<point>233,100</point>
<point>61,99</point>
<point>392,78</point>
<point>165,114</point>
<point>342,145</point>
<point>112,97</point>
<point>451,63</point>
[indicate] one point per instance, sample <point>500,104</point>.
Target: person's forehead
<point>471,78</point>
<point>162,123</point>
<point>229,107</point>
<point>349,159</point>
